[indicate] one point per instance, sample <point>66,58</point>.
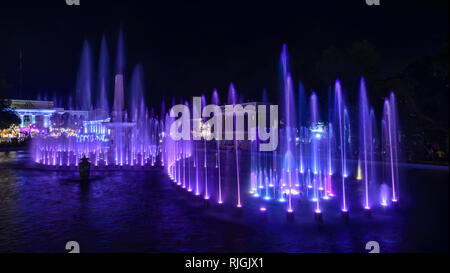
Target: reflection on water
<point>121,211</point>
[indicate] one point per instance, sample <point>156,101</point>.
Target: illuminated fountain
<point>288,167</point>
<point>107,140</point>
<point>390,144</point>
<point>343,129</point>
<point>318,160</point>
<point>215,100</point>
<point>366,146</point>
<point>232,100</point>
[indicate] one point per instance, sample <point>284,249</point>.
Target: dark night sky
<point>192,47</point>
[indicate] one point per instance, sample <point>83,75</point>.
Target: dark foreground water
<point>139,211</point>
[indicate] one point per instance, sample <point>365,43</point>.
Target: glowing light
<point>359,171</point>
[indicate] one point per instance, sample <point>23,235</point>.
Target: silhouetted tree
<point>7,115</point>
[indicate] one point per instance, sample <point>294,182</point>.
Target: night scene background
<point>174,50</point>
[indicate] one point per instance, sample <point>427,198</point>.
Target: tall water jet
<point>301,125</point>
<point>365,140</point>
<point>232,101</point>
<point>205,150</point>
<point>163,130</point>
<point>216,101</point>
<point>289,160</point>
<point>390,139</point>
<point>340,123</point>
<point>196,125</point>
<point>137,94</point>
<point>119,115</point>
<point>84,79</point>
<point>396,135</point>
<point>103,77</point>
<point>120,56</point>
<point>374,147</point>
<point>315,146</point>
<point>288,100</point>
